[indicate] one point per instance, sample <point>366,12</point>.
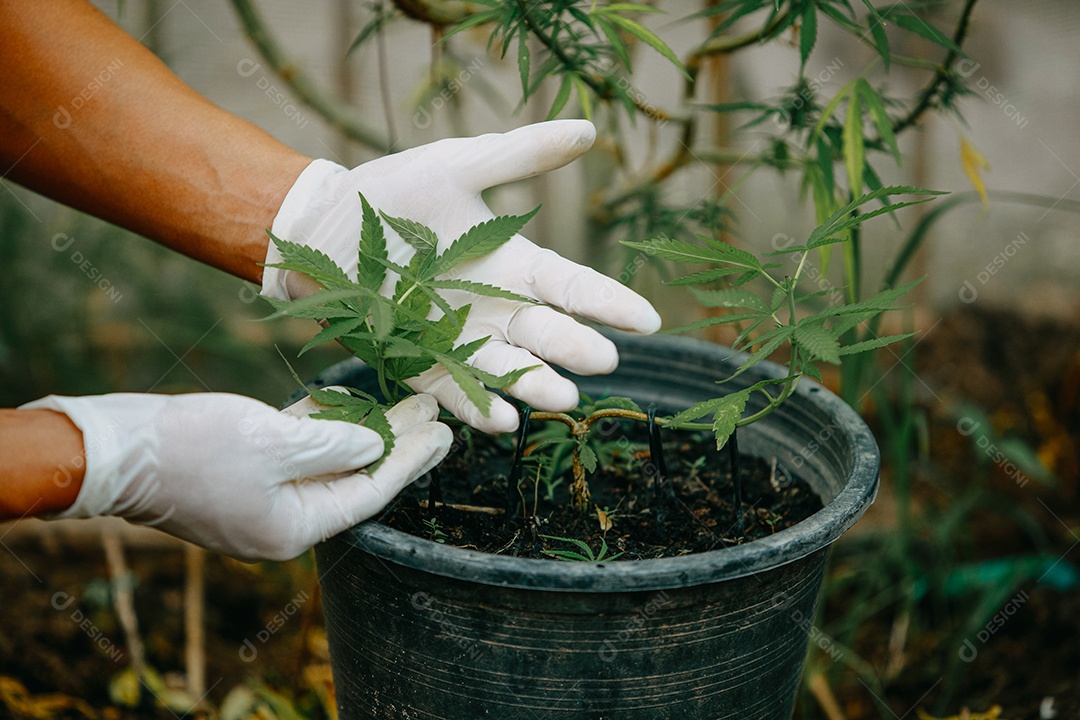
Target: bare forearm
<point>42,463</point>
<point>90,117</point>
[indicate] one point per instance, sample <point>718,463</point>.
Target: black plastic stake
<point>514,478</point>
<point>434,490</point>
<point>661,487</point>
<point>736,479</point>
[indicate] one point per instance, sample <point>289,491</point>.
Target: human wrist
<point>307,198</point>
<point>107,437</point>
<point>46,475</point>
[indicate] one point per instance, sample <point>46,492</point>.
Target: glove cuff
<point>299,205</point>
<point>102,479</point>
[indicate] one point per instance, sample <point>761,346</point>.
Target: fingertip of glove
<point>360,446</point>
<point>649,322</point>
<point>501,418</point>
<point>411,411</point>
<point>576,132</point>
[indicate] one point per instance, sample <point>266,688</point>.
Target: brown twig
<point>124,599</point>
<point>465,508</point>
<point>438,13</point>
<point>194,624</point>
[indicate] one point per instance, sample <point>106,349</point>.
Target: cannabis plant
<point>415,328</point>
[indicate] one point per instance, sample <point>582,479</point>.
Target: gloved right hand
<point>237,476</point>
<point>440,186</point>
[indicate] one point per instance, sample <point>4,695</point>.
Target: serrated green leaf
<point>523,61</point>
<point>625,7</point>
<point>829,109</point>
<point>817,342</point>
<point>382,320</point>
<point>841,219</point>
<point>879,303</point>
<point>314,312</point>
<point>777,337</point>
<point>500,382</point>
<point>309,306</point>
<point>682,251</point>
<point>463,352</point>
<point>472,21</point>
<point>376,420</point>
<point>807,33</point>
<point>481,240</point>
<point>705,276</point>
<point>854,144</point>
<point>710,321</point>
<point>926,31</point>
<point>694,412</point>
<point>583,97</point>
<point>881,38</point>
<point>649,38</point>
<point>473,389</point>
<point>728,413</point>
<point>480,289</point>
<point>616,42</point>
<point>879,117</point>
<point>420,237</point>
<point>729,298</point>
<point>880,342</point>
<point>366,32</point>
<point>311,262</point>
<point>369,272</point>
<point>588,458</point>
<point>335,329</point>
<point>561,98</point>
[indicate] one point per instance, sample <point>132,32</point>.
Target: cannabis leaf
<point>769,322</point>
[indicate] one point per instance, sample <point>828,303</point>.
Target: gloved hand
<point>439,185</point>
<point>235,475</point>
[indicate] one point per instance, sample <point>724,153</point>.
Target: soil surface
<point>626,515</point>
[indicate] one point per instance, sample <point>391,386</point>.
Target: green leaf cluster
<point>585,47</point>
<point>408,331</point>
<point>777,318</point>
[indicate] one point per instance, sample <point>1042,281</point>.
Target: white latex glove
<point>237,476</point>
<point>439,186</point>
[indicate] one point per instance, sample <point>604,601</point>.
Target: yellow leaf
<point>994,713</point>
<point>974,163</point>
<point>17,699</point>
<point>603,519</point>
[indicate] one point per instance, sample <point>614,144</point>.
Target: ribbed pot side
<point>421,630</point>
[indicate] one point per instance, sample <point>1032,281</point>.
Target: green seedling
<point>586,554</point>
<point>434,530</point>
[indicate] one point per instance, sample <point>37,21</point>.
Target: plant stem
<point>736,479</point>
<point>725,46</point>
<point>926,98</point>
<point>514,477</point>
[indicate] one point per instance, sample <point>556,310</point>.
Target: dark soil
<point>701,516</point>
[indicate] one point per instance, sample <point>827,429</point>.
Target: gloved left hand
<point>237,476</point>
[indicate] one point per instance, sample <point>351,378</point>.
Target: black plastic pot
<point>422,630</point>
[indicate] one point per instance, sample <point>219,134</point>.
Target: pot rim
<point>808,536</point>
